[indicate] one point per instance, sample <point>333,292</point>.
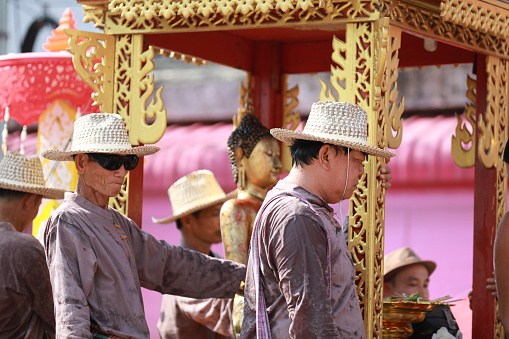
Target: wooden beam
<point>218,47</point>
<point>413,54</point>
<point>266,83</point>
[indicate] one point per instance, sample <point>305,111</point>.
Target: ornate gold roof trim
<point>489,17</point>
<point>160,15</point>
<point>180,57</point>
<point>425,19</point>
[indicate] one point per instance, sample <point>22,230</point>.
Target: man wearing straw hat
<point>300,279</point>
<point>26,304</point>
<point>406,273</point>
<point>99,259</point>
<point>196,200</point>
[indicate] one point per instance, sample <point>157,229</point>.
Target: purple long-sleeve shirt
<point>294,271</point>
<point>183,318</point>
<point>98,261</point>
<point>26,304</point>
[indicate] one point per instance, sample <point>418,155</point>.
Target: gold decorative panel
<point>120,201</point>
<point>463,145</point>
<point>144,115</point>
<point>492,127</point>
<point>369,48</point>
<point>93,58</point>
<point>425,19</point>
<point>160,15</point>
<point>487,17</point>
<point>291,118</point>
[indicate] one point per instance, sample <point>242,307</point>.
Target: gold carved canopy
<point>362,43</point>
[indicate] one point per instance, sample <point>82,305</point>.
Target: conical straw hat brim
<point>289,137</point>
<point>68,155</point>
<point>46,192</point>
<point>205,203</point>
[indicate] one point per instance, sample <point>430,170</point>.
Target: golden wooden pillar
<point>479,141</point>
<point>117,67</point>
<point>366,74</point>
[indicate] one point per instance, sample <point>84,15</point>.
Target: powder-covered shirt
<point>99,259</point>
<point>184,318</point>
<point>26,304</point>
<point>294,271</point>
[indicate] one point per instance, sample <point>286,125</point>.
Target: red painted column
<point>135,194</point>
<point>266,83</point>
<point>483,306</point>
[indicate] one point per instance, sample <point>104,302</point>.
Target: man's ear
<point>324,156</point>
<point>30,200</point>
<point>80,161</point>
<point>187,221</point>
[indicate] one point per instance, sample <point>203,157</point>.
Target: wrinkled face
<point>339,185</point>
<point>205,226</point>
<point>411,279</point>
<point>100,181</point>
<point>263,165</point>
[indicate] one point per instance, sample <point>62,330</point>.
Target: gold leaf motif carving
<point>463,146</point>
<point>491,126</point>
<point>424,18</point>
<point>478,15</point>
<point>134,90</point>
<point>291,118</point>
<point>87,48</point>
<point>124,16</point>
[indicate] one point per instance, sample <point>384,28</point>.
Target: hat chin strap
<point>346,183</point>
<point>347,171</point>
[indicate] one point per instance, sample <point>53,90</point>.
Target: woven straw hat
<point>99,133</point>
<point>18,173</point>
<point>194,192</point>
<point>401,258</point>
<point>337,123</point>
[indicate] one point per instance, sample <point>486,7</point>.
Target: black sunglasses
<point>113,162</point>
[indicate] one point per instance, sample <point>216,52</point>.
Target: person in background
<point>26,302</point>
<point>196,200</point>
<point>99,259</point>
<point>300,279</point>
<point>405,273</point>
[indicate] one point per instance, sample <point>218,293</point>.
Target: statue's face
<point>263,165</point>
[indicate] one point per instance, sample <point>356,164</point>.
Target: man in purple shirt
<point>301,280</point>
<point>196,201</point>
<point>99,259</point>
<point>26,304</point>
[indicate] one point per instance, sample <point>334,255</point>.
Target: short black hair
<point>11,194</point>
<point>506,152</point>
<point>304,151</point>
<point>194,214</point>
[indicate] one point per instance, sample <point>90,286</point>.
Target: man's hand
<point>385,176</point>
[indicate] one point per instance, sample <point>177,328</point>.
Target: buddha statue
<point>254,156</point>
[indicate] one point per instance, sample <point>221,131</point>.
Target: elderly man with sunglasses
<point>98,259</point>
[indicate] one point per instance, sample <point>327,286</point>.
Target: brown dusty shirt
<point>26,304</point>
<point>184,318</point>
<point>99,260</point>
<point>295,275</point>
